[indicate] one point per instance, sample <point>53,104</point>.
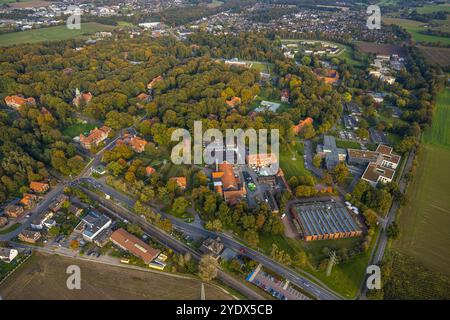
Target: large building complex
<point>228,184</point>
<point>324,220</point>
<point>332,154</point>
<point>381,164</point>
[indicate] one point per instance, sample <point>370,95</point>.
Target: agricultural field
<point>434,8</point>
<point>413,27</point>
<point>435,55</point>
<point>379,48</point>
<point>44,277</point>
<point>425,219</point>
<point>27,3</point>
<point>56,33</point>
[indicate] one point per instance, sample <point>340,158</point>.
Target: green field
<point>77,129</point>
<point>434,8</point>
<point>345,278</point>
<point>439,134</point>
<point>425,219</point>
<point>56,33</point>
<point>291,161</point>
<point>413,27</point>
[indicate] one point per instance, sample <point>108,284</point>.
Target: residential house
<point>16,101</point>
<point>81,99</point>
<point>28,200</point>
<point>13,211</point>
<point>298,128</point>
<point>95,137</point>
<point>39,187</point>
<point>233,102</point>
<point>3,221</point>
<point>92,224</point>
<point>285,95</point>
<point>149,170</point>
<point>181,182</point>
<point>138,144</point>
<point>213,247</point>
<point>153,82</point>
<point>135,246</point>
<point>143,97</point>
<point>7,255</point>
<point>29,236</point>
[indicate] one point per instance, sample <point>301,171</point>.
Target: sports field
<point>425,220</point>
<point>44,277</point>
<point>55,33</point>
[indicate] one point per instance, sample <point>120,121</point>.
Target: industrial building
<point>324,220</point>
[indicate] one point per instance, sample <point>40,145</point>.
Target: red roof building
<point>95,137</point>
<point>18,101</point>
<point>135,246</point>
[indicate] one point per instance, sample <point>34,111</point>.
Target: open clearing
<point>414,27</point>
<point>56,33</point>
<point>425,219</point>
<point>44,277</point>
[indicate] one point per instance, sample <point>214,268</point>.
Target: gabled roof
<point>134,245</point>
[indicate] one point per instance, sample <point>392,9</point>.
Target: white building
<point>7,255</point>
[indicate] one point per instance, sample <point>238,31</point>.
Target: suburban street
<point>297,279</point>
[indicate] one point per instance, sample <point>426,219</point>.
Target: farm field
<point>413,27</point>
<point>379,48</point>
<point>434,8</point>
<point>425,219</point>
<point>435,55</point>
<point>44,277</point>
<point>27,3</point>
<point>55,33</point>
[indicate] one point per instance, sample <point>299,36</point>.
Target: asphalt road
<point>171,242</point>
<point>377,256</point>
<point>301,281</point>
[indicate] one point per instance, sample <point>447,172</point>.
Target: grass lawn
<point>347,144</point>
<point>345,277</point>
<point>413,27</point>
<point>290,166</point>
<point>10,228</point>
<point>77,129</point>
<point>425,219</point>
<point>55,33</point>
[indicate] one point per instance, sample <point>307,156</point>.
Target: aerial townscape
<point>356,187</point>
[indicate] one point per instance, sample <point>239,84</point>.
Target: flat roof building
<point>324,220</point>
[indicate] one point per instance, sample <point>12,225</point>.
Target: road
<point>168,240</point>
<point>299,280</point>
<point>382,241</point>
